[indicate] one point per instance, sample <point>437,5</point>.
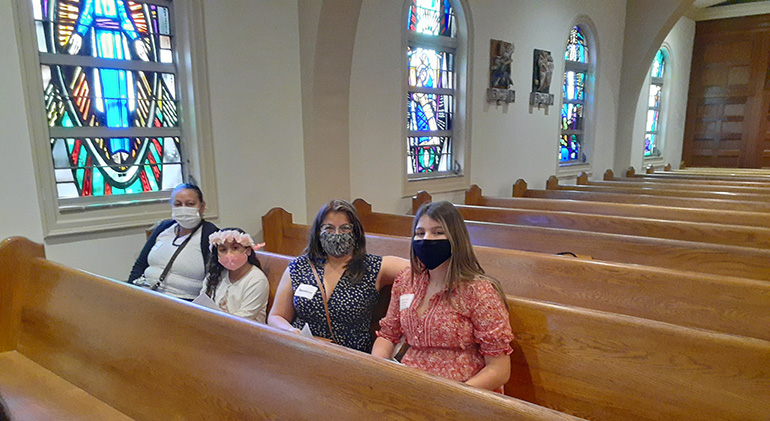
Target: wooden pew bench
<point>607,366</point>
<point>720,303</point>
<point>717,259</point>
<point>99,349</point>
<point>520,190</point>
<point>651,174</point>
<point>583,180</point>
<point>474,197</point>
<point>743,236</point>
<point>609,175</point>
<point>651,190</point>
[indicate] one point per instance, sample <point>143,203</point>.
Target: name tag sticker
<point>305,291</point>
<point>405,301</point>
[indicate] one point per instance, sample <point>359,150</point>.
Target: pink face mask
<point>233,261</point>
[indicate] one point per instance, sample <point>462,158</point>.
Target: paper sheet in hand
<point>205,301</point>
<point>305,332</point>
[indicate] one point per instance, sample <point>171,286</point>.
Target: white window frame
<point>572,169</point>
<point>459,178</point>
<point>87,215</point>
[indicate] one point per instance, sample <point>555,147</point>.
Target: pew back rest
<point>606,366</point>
<point>151,356</point>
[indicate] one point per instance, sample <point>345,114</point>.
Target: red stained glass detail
<point>87,175</point>
<point>76,152</point>
<point>145,181</point>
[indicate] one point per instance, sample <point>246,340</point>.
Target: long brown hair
<point>464,266</point>
<point>356,266</point>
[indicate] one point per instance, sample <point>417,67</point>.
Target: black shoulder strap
<point>173,257</point>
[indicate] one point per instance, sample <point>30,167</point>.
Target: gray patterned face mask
<point>337,245</point>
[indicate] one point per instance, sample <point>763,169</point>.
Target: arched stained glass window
<point>652,129</point>
<point>576,71</point>
<point>110,90</point>
<point>432,45</point>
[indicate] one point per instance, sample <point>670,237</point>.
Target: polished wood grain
<point>590,363</point>
<point>150,356</point>
<point>609,175</point>
<point>474,196</point>
<point>520,190</point>
<point>54,397</point>
<point>743,236</point>
<point>717,259</point>
<point>693,191</point>
<point>607,366</point>
<point>720,303</point>
<point>692,175</point>
<point>582,179</point>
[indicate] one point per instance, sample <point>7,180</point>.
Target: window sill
<point>438,184</point>
<point>573,169</point>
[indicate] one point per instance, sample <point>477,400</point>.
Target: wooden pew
<point>676,230</point>
<point>582,180</point>
<point>553,184</point>
<point>719,303</point>
<point>717,259</point>
<point>609,175</point>
<point>612,367</point>
<point>520,190</point>
<point>75,345</point>
<point>600,349</point>
<point>474,197</point>
<point>681,175</point>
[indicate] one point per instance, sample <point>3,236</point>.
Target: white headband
<point>242,238</point>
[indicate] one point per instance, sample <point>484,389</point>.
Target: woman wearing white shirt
<point>185,275</point>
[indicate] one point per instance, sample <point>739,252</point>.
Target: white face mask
<point>186,217</point>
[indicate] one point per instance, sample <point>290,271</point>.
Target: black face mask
<point>432,253</point>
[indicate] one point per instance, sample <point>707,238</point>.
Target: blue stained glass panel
<point>577,48</point>
<point>569,147</point>
<point>429,154</point>
<point>431,17</point>
<point>571,116</point>
<point>429,112</point>
<point>574,85</point>
<point>658,65</point>
<point>430,68</point>
<point>649,144</point>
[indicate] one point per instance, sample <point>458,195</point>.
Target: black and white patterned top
<point>350,305</point>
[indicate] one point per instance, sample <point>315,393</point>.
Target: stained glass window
<point>110,90</point>
<point>652,131</point>
<point>431,82</point>
<point>576,70</point>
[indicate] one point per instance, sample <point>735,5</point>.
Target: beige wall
<point>271,146</point>
<point>256,125</point>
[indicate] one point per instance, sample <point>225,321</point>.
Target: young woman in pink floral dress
<point>453,317</point>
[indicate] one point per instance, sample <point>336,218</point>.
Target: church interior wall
<point>261,63</point>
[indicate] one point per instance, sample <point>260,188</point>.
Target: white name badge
<point>305,291</point>
<point>405,301</point>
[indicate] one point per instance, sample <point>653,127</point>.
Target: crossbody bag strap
<point>323,296</point>
<point>167,269</point>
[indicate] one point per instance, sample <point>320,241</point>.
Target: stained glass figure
<point>577,48</point>
<point>574,95</point>
<point>652,130</point>
<point>431,82</point>
<point>121,78</point>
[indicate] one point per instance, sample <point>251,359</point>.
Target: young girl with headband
<point>234,278</point>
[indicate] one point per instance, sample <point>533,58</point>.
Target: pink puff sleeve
<point>390,325</point>
<point>491,325</point>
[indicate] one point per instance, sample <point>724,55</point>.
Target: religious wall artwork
<point>542,73</point>
<point>500,83</point>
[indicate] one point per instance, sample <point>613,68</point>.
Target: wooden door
<point>729,107</point>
